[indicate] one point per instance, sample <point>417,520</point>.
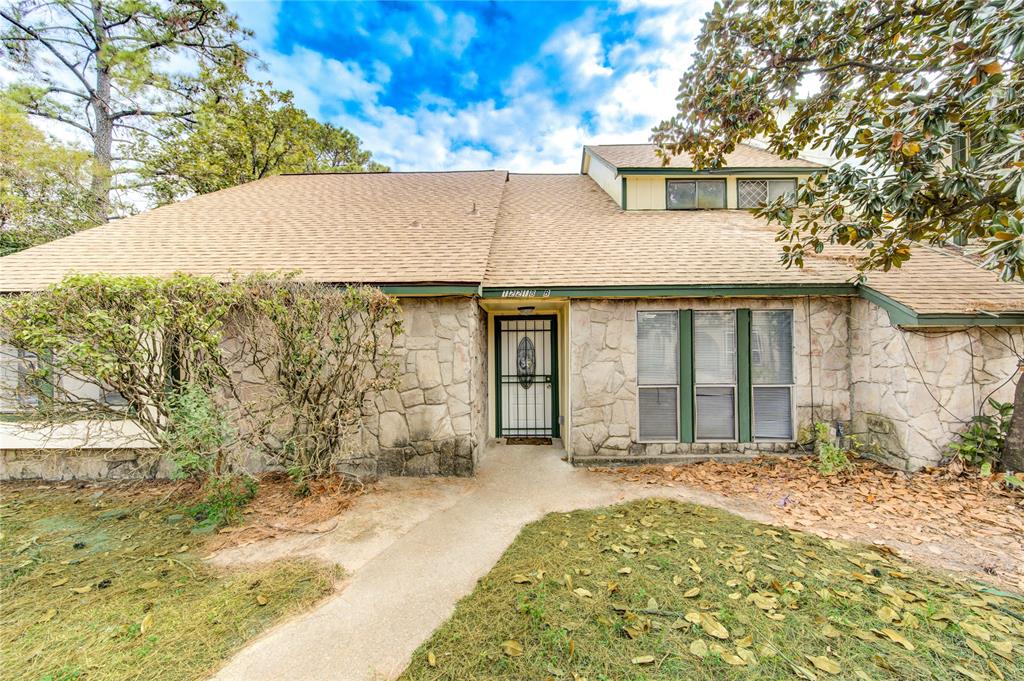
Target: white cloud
<point>580,48</point>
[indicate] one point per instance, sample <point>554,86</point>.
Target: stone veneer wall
<point>913,390</point>
<point>603,368</point>
<point>434,422</point>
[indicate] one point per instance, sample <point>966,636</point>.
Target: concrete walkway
<point>398,598</point>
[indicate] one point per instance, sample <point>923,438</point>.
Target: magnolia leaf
<point>887,614</point>
<point>824,664</point>
<point>583,593</point>
<point>1003,649</point>
<point>976,630</point>
<point>146,624</point>
<point>713,626</point>
<point>973,645</point>
<point>643,659</point>
<point>699,648</point>
<point>975,676</point>
<point>61,582</point>
<point>261,600</point>
<point>734,660</point>
<point>431,658</point>
<point>898,638</point>
<point>82,589</point>
<point>625,570</point>
<point>691,593</point>
<point>830,631</point>
<point>521,579</point>
<point>512,648</point>
<point>698,543</point>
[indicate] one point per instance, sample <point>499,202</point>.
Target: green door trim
<point>743,378</point>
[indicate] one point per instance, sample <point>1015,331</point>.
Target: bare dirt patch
<point>279,508</point>
<point>963,523</point>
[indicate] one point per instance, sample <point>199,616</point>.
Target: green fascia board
<point>689,172</point>
<point>903,315</point>
<point>658,291</point>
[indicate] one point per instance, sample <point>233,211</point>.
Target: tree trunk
<point>1013,448</point>
<point>103,134</point>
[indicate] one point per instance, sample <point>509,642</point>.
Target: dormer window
<point>757,193</point>
<point>691,194</point>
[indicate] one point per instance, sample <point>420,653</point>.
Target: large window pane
<point>681,194</point>
<point>771,347</point>
<point>779,188</point>
<point>711,194</point>
<point>659,414</point>
<point>714,347</point>
<point>657,348</point>
<point>773,413</point>
<point>716,414</point>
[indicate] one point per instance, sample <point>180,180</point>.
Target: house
<point>638,312</point>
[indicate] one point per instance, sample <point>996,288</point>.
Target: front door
<point>526,355</point>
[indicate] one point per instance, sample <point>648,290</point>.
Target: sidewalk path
<point>397,599</point>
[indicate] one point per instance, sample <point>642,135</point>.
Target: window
<point>771,373</point>
<point>689,194</point>
<point>28,368</point>
<point>714,365</point>
<point>958,149</point>
<point>757,193</point>
<point>657,369</point>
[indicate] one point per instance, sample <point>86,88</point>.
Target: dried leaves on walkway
<point>961,522</point>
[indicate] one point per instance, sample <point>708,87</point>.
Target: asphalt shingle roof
<point>377,228</point>
<point>624,156</point>
<point>477,227</point>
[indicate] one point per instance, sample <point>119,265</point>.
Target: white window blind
<point>657,351</point>
<point>714,348</point>
<point>773,412</point>
<point>659,414</point>
<point>771,372</point>
<point>657,362</point>
<point>771,347</point>
<point>715,413</point>
<point>714,365</point>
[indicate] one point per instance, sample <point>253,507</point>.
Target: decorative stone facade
<point>63,464</point>
<point>434,421</point>
<point>914,390</point>
<point>604,388</point>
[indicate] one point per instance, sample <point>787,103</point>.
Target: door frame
<point>553,318</point>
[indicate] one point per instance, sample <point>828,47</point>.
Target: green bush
<point>981,444</point>
<point>832,456</point>
<point>198,434</point>
<point>225,498</point>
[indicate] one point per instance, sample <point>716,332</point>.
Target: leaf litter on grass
<point>773,603</point>
<point>105,583</point>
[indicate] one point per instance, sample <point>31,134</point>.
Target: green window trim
<point>743,383</point>
<point>686,375</point>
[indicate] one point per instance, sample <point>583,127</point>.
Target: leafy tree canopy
<point>902,85</point>
<point>44,185</point>
<point>112,69</point>
<point>251,133</point>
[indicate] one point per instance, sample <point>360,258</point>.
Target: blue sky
<point>513,85</point>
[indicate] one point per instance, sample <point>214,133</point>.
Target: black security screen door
<point>527,371</point>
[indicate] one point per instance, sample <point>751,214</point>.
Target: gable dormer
<point>636,179</point>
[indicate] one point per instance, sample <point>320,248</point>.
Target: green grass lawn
<point>105,586</point>
<point>663,590</point>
